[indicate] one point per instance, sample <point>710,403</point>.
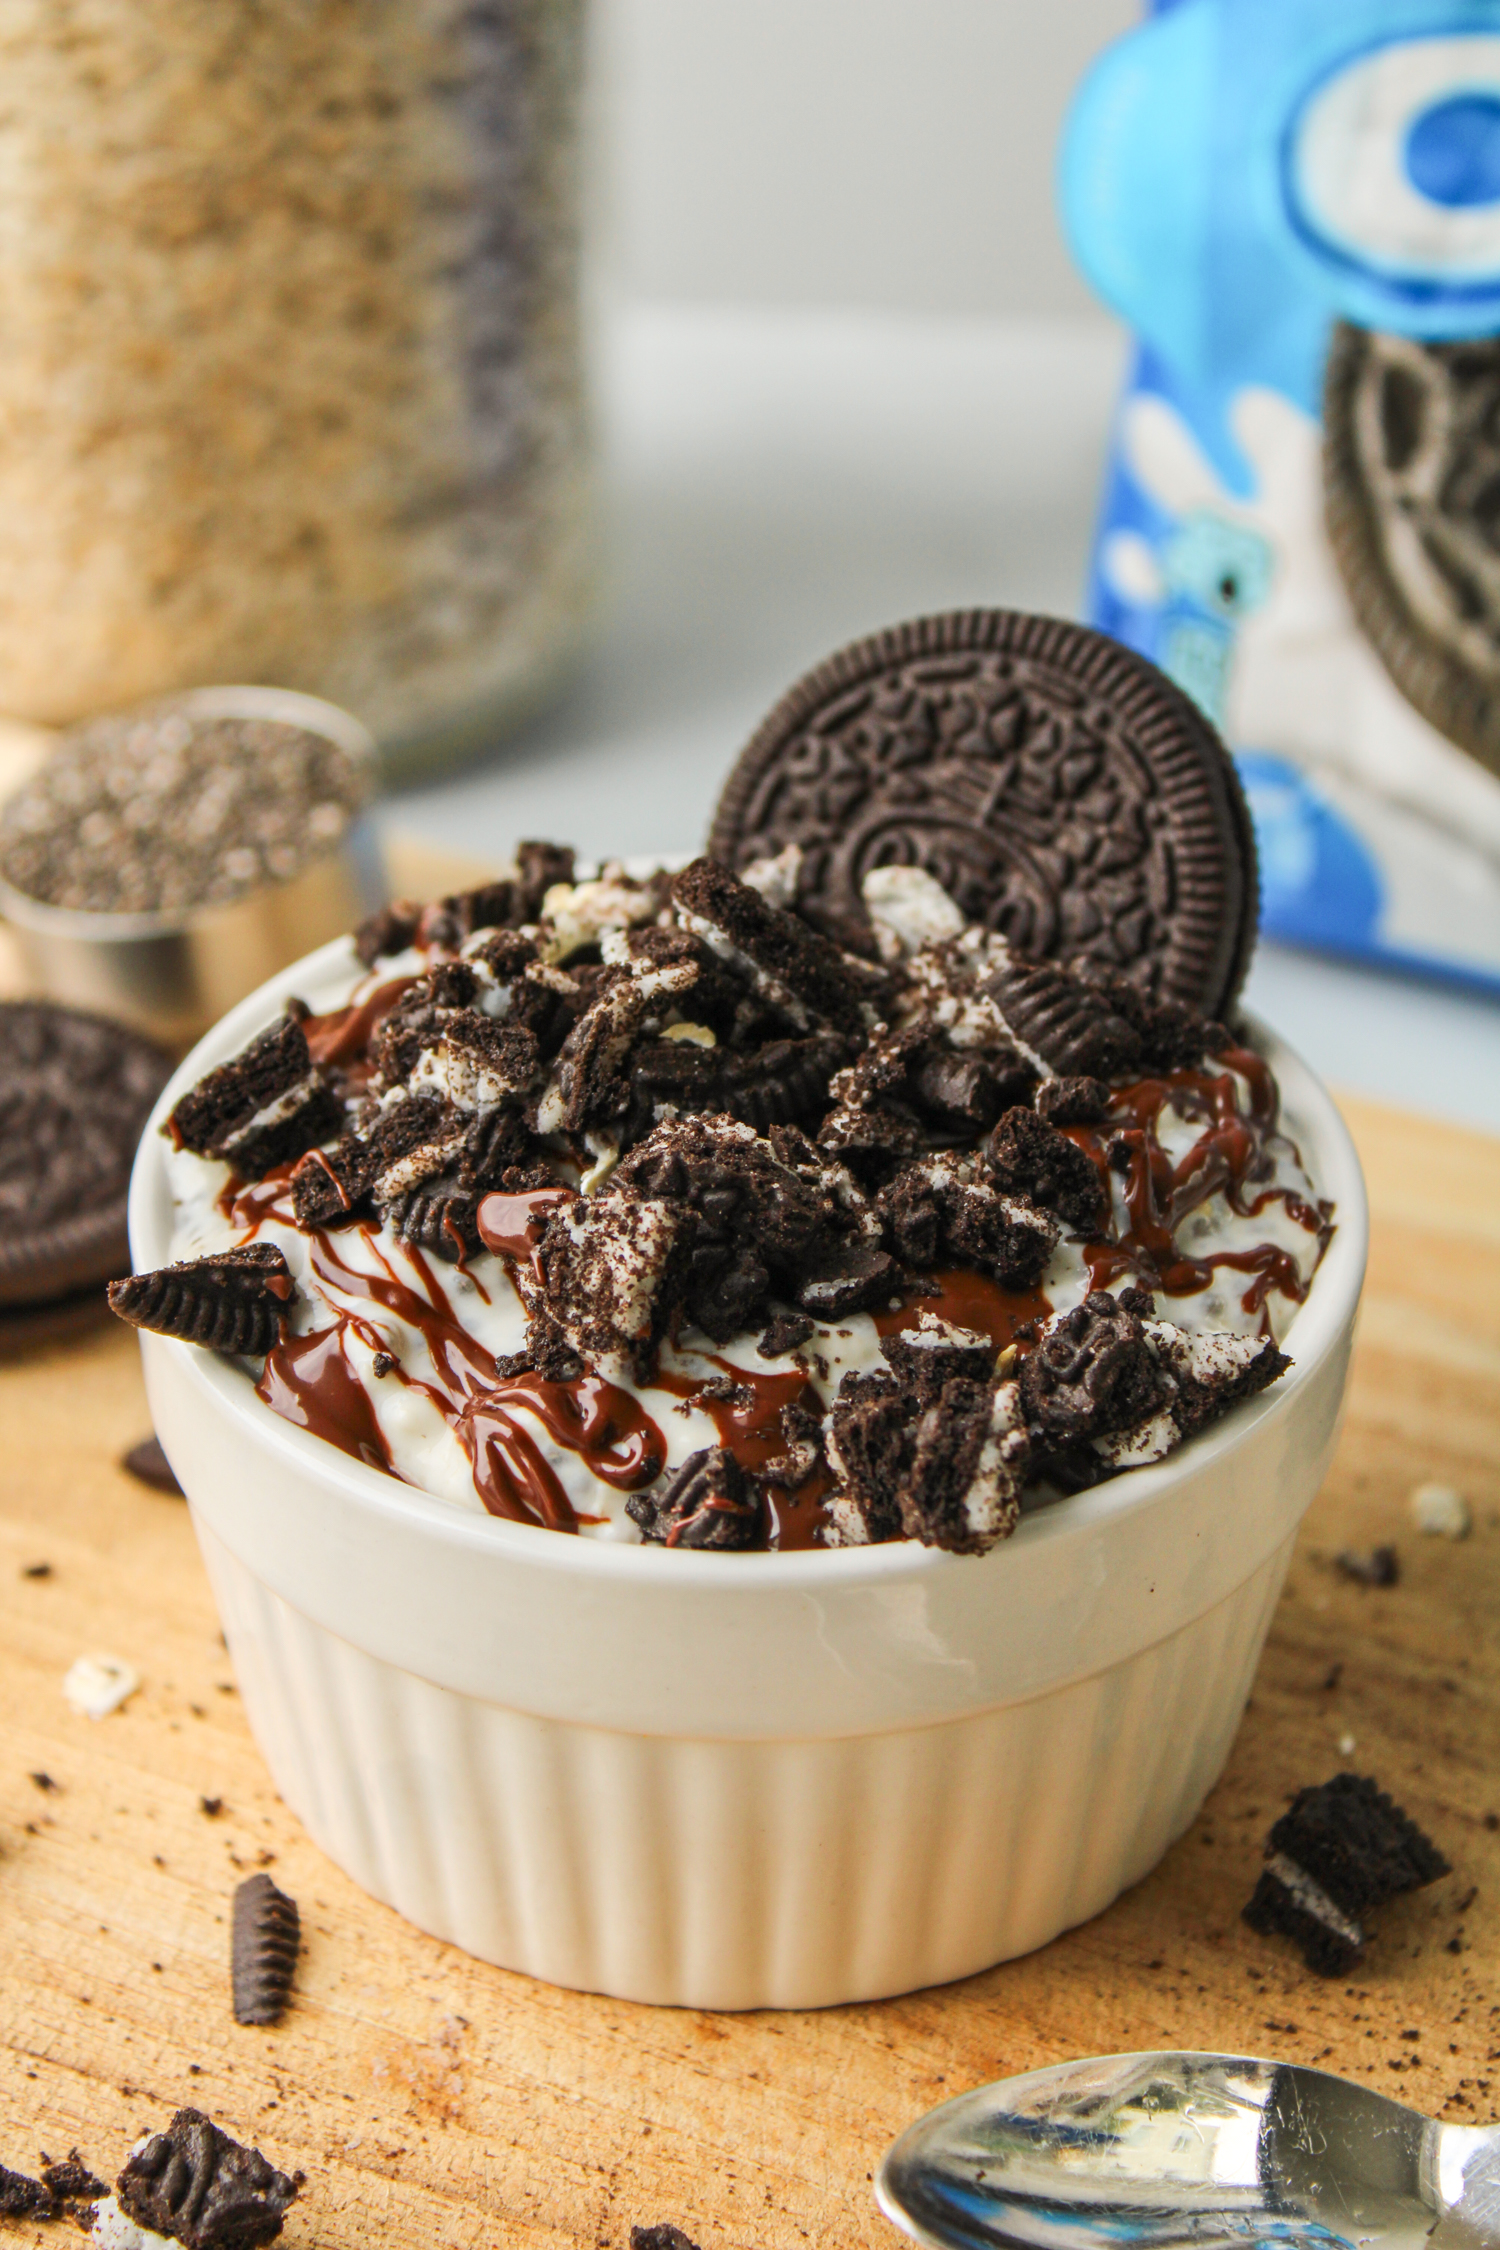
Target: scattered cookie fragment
<point>663,2236</point>
<point>206,2191</point>
<point>149,1465</point>
<point>263,1949</point>
<point>61,2192</point>
<point>1340,1849</point>
<point>1374,1566</point>
<point>1440,1510</point>
<point>234,1301</point>
<point>99,1684</point>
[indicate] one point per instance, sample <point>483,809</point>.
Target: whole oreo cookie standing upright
<point>75,1093</point>
<point>1058,786</point>
<point>1411,492</point>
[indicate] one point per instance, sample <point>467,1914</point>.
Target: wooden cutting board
<point>434,2101</point>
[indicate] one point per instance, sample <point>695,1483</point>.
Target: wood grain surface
<point>434,2101</point>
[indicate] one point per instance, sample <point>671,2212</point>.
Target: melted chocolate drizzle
<point>311,1381</point>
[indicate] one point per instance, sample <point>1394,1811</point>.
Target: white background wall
<point>879,153</point>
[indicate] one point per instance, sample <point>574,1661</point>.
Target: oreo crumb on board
<point>148,1464</point>
<point>62,2191</point>
<point>205,2190</point>
<point>162,810</point>
<point>1375,1566</point>
<point>663,2236</point>
<point>231,1301</point>
<point>263,1947</point>
<point>1342,1848</point>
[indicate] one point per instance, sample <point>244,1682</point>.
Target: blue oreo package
<point>1248,183</point>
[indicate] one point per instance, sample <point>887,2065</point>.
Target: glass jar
<point>290,386</point>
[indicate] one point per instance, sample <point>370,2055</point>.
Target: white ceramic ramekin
<point>737,1781</point>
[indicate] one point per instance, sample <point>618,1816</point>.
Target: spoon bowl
<point>1162,2150</point>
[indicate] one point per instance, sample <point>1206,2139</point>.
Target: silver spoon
<point>1190,2150</point>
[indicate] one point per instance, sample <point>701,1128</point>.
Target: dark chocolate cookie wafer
<point>75,1093</point>
<point>1411,488</point>
<point>1057,785</point>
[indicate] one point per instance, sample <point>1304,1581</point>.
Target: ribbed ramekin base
<point>724,1874</point>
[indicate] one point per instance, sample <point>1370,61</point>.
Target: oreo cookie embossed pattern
<point>1058,787</point>
<point>646,1209</point>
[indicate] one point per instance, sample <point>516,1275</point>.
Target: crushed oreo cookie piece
<point>1028,1157</point>
<point>870,1438</point>
<point>148,1464</point>
<point>799,973</point>
<point>230,1301</point>
<point>660,2237</point>
<point>1075,1028</point>
<point>969,1463</point>
<point>1091,1371</point>
<point>1341,1849</point>
<point>71,2181</point>
<point>1072,1101</point>
<point>205,2190</point>
<point>942,1210</point>
<point>263,1109</point>
<point>22,2197</point>
<point>1374,1566</point>
<point>784,1332</point>
<point>1172,1037</point>
<point>266,1933</point>
<point>856,1277</point>
<point>926,1358</point>
<point>608,1272</point>
<point>709,1502</point>
<point>391,930</point>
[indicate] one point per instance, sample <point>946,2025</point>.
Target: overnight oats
<point>643,1208</point>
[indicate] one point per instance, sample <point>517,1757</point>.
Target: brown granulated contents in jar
<point>290,389</point>
<point>159,810</point>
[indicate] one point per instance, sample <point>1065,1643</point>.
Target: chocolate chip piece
<point>1340,1849</point>
<point>1028,1157</point>
<point>796,969</point>
<point>1092,1371</point>
<point>1379,1566</point>
<point>854,1279</point>
<point>388,932</point>
<point>960,1091</point>
<point>232,1301</point>
<point>267,1106</point>
<point>969,1461</point>
<point>1072,1101</point>
<point>263,1950</point>
<point>708,1502</point>
<point>783,1333</point>
<point>149,1464</point>
<point>207,2191</point>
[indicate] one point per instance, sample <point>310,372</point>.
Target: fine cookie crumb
<point>1440,1511</point>
<point>97,1685</point>
<point>1381,1566</point>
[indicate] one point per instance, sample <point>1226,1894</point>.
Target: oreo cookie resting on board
<point>641,1208</point>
